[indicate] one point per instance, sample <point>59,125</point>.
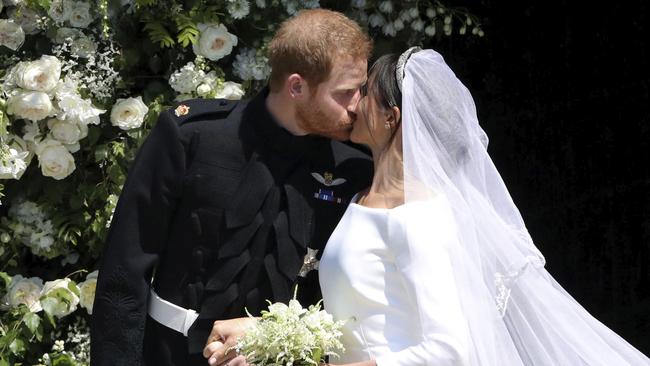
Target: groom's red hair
<point>308,44</point>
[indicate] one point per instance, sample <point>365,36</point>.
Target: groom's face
<point>330,110</point>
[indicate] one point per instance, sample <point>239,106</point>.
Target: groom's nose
<point>352,106</point>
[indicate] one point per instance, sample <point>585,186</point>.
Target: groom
<point>230,203</point>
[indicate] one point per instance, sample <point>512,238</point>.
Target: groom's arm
<point>136,237</point>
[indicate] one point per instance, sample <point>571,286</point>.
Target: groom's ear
<point>297,85</point>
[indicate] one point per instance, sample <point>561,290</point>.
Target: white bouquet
<point>291,336</point>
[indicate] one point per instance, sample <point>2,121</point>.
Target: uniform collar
<point>267,131</point>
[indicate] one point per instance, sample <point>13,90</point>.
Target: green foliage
<point>159,34</point>
<point>187,33</point>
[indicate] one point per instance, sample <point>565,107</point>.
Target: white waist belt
<point>170,315</point>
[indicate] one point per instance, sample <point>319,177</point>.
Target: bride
<point>432,264</point>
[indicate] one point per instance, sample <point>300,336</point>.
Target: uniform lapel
<point>255,184</point>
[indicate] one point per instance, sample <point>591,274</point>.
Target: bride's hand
<point>220,347</point>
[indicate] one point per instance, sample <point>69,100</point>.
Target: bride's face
<point>376,121</point>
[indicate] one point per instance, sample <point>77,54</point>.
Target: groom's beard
<point>315,121</point>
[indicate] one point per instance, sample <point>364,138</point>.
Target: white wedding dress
<point>372,276</point>
<point>453,277</point>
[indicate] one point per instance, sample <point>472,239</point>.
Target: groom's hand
<point>220,347</point>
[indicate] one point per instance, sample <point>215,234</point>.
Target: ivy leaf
<point>32,321</point>
<point>17,347</point>
<point>6,278</point>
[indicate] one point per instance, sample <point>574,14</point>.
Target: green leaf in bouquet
<point>187,33</point>
<point>33,322</point>
<point>116,175</point>
<point>62,359</point>
<point>159,34</point>
<point>6,279</point>
<point>17,347</point>
<point>72,286</point>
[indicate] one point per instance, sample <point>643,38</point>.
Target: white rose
<point>83,46</point>
<point>74,108</point>
<point>128,113</point>
<point>80,15</point>
<point>64,33</point>
<point>15,157</point>
<point>28,19</point>
<point>58,11</point>
<point>40,75</point>
<point>12,35</point>
<point>59,297</point>
<point>214,42</point>
<point>25,291</point>
<point>30,105</point>
<point>67,132</point>
<point>231,90</point>
<point>87,291</point>
<point>203,90</point>
<point>55,160</point>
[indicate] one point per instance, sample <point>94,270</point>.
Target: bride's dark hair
<point>384,81</point>
<point>382,85</point>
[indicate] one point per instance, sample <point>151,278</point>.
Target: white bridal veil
<point>515,312</point>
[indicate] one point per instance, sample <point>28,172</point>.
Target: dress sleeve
<point>421,234</point>
<point>138,231</point>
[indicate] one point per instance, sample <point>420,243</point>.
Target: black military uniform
<point>223,205</point>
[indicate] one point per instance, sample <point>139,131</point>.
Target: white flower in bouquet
<point>60,297</point>
<point>32,134</point>
<point>14,157</point>
<point>186,79</point>
<point>386,6</point>
<point>73,107</point>
<point>417,25</point>
<point>129,113</point>
<point>204,90</point>
<point>67,132</point>
<point>28,19</point>
<point>30,105</point>
<point>260,3</point>
<point>238,9</point>
<point>80,16</point>
<point>87,291</point>
<point>291,335</point>
<point>55,159</point>
<point>63,33</point>
<point>376,20</point>
<point>26,291</point>
<point>251,65</point>
<point>214,41</point>
<point>59,11</point>
<point>83,46</point>
<point>12,35</point>
<point>231,90</point>
<point>41,240</point>
<point>39,75</point>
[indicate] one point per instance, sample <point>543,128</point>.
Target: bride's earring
<point>387,125</point>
